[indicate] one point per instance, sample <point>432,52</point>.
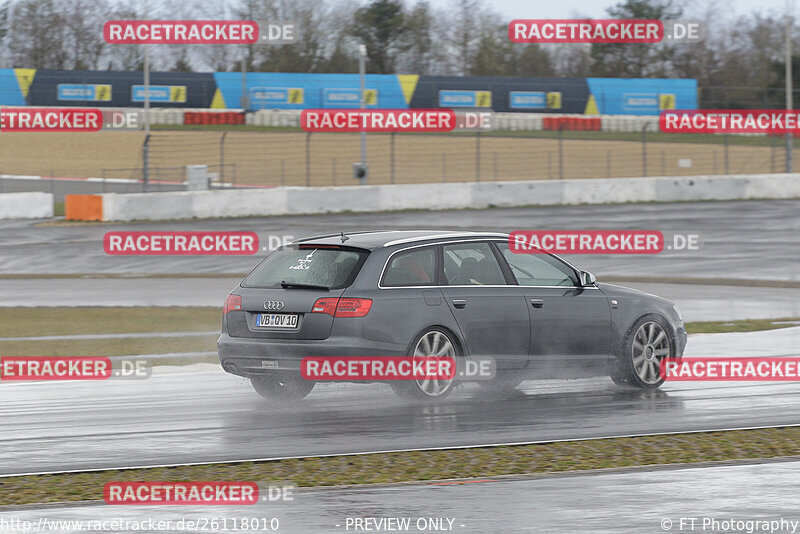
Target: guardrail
<point>309,200</point>
<point>29,205</point>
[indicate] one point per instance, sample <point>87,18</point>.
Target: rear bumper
<point>257,356</point>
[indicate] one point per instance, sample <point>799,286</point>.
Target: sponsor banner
<point>527,100</point>
<point>50,120</point>
<point>382,120</point>
<point>465,99</point>
<point>181,32</point>
<point>84,92</point>
<point>640,103</point>
<point>355,368</point>
<point>264,97</point>
<point>180,243</point>
<point>764,121</point>
<point>180,493</point>
<point>586,241</point>
<point>349,98</point>
<point>731,369</point>
<point>159,93</point>
<point>534,100</point>
<point>585,31</point>
<point>22,368</point>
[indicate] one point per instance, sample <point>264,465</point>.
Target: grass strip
<point>126,346</point>
<point>28,322</point>
<point>430,465</point>
<point>752,325</point>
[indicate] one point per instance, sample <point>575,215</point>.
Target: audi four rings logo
<point>273,305</point>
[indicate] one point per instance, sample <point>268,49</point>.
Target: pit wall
<point>454,195</point>
<point>33,205</point>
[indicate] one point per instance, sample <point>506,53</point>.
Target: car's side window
<point>538,269</point>
<point>415,267</point>
<point>471,264</point>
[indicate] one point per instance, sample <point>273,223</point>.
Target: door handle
<point>537,303</point>
<point>460,304</point>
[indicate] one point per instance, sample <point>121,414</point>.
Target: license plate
<point>277,320</point>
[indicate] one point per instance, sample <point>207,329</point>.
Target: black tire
<point>646,343</point>
<point>424,390</point>
<point>282,387</point>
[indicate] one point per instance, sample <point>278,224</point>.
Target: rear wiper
<point>287,285</point>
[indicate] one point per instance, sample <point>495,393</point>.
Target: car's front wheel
<point>646,345</point>
<point>434,342</point>
<point>284,387</point>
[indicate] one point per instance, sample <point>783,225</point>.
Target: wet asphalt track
<point>739,240</point>
<point>207,415</point>
<point>201,414</point>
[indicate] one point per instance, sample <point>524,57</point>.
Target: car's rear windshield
<point>314,265</point>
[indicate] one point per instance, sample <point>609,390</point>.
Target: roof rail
<point>443,236</point>
<point>338,234</point>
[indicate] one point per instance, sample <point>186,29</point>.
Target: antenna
<point>344,237</point>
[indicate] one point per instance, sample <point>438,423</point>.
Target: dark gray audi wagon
<point>460,294</point>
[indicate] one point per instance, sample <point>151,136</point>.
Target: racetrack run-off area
<point>297,158</point>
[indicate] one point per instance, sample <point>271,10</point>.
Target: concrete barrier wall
<point>32,205</point>
<point>454,195</point>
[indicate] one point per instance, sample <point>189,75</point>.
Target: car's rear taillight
<point>342,307</point>
<point>349,307</point>
<point>232,303</point>
<point>325,305</point>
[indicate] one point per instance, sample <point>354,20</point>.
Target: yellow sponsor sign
<point>296,96</point>
<point>666,101</point>
<point>483,99</point>
<point>370,97</point>
<point>102,93</point>
<point>177,93</point>
<point>554,100</point>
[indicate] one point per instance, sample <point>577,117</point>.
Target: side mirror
<point>587,279</point>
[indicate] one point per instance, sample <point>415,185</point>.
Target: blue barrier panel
<point>10,93</point>
<point>640,96</point>
<point>306,91</point>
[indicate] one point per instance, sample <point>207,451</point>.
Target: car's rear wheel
<point>282,387</point>
<point>434,342</point>
<point>646,345</point>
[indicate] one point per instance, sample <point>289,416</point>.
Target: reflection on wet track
<point>204,415</point>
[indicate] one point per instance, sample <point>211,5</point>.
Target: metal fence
<point>297,158</point>
<point>117,162</point>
